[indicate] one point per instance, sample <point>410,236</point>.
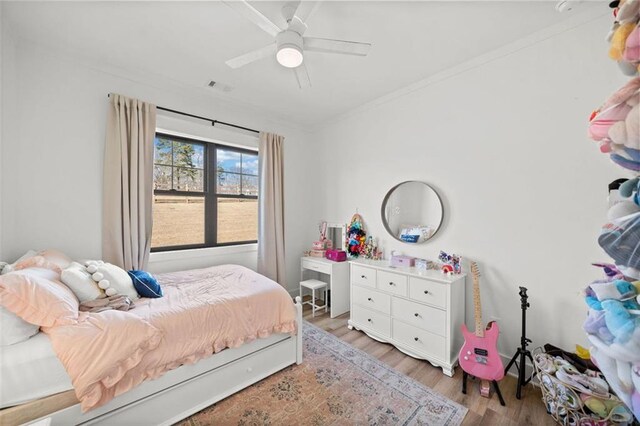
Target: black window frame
<point>209,193</point>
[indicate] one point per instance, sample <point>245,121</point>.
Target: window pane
<point>162,151</point>
<point>188,154</point>
<point>249,164</point>
<point>228,183</point>
<point>228,161</point>
<point>237,220</point>
<point>177,220</point>
<point>185,179</point>
<point>162,177</point>
<point>250,185</point>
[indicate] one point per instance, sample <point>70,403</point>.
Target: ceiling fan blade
<point>314,44</point>
<point>247,58</point>
<point>302,76</point>
<point>306,9</point>
<point>252,14</point>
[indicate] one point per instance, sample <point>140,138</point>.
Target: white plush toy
<point>112,279</point>
<point>98,277</point>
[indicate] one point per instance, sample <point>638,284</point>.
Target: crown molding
<point>542,35</point>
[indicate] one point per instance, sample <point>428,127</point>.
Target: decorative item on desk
<point>317,253</point>
<point>422,264</point>
<point>356,236</point>
<point>402,261</point>
<point>450,263</point>
<point>336,255</point>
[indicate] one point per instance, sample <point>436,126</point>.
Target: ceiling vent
<point>221,87</point>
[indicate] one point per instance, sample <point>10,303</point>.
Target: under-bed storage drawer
<point>179,401</point>
<point>376,321</point>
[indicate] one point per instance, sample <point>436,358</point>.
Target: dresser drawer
<point>363,276</point>
<point>316,266</point>
<point>376,321</point>
<point>393,283</point>
<point>418,339</point>
<point>371,299</point>
<point>428,292</point>
<point>425,317</point>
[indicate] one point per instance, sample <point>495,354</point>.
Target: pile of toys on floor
<point>613,320</point>
<point>575,392</point>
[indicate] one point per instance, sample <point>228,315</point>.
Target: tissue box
<point>336,255</point>
<point>403,261</point>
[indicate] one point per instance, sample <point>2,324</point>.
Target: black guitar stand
<point>522,353</point>
<point>465,375</point>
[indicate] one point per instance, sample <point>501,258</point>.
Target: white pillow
<point>80,282</point>
<point>14,329</point>
<point>10,267</point>
<point>111,277</point>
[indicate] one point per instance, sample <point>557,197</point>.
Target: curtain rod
<point>211,120</point>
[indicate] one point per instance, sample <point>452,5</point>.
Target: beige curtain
<point>128,182</point>
<point>271,210</point>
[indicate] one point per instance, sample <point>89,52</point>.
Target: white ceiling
<point>188,42</point>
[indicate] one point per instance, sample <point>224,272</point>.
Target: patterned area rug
<point>336,384</point>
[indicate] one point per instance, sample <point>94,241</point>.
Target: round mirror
<point>412,212</point>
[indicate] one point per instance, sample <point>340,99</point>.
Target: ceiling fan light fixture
<point>289,56</point>
<point>289,53</point>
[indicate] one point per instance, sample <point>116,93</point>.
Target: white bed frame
<point>190,388</point>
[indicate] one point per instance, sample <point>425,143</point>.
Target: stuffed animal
<point>619,321</point>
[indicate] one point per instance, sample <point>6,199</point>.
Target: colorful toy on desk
<point>356,236</point>
<point>450,263</point>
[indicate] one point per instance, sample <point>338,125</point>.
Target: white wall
<point>53,150</point>
<point>503,140</point>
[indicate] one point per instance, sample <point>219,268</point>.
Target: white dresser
<point>419,312</point>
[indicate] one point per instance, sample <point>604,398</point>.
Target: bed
<point>189,379</point>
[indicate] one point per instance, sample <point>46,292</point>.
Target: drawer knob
<point>369,299</point>
<point>363,276</point>
<point>249,370</point>
<point>426,292</point>
<point>391,283</point>
<point>415,338</point>
<point>416,315</point>
<point>369,319</point>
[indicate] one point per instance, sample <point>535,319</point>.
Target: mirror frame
<point>384,204</point>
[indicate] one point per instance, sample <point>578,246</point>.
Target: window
<point>205,195</point>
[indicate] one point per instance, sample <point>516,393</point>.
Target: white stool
<point>314,285</point>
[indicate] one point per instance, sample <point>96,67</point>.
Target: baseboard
<point>513,371</point>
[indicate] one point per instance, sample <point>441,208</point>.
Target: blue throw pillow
<point>145,284</point>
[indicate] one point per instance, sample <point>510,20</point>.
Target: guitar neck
<point>476,302</point>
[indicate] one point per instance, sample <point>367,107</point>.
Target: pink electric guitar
<point>479,355</point>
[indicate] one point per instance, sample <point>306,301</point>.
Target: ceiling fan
<point>290,45</point>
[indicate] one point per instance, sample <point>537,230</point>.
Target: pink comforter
<point>203,311</point>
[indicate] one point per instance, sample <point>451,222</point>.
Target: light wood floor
<point>482,411</point>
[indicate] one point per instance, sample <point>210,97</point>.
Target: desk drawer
<point>422,316</point>
<point>421,340</point>
<point>316,266</point>
<point>375,321</point>
<point>429,292</point>
<point>363,276</point>
<point>393,283</point>
<point>371,299</point>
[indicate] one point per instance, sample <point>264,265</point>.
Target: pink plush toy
<point>632,46</point>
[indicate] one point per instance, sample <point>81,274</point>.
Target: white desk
<point>336,274</point>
